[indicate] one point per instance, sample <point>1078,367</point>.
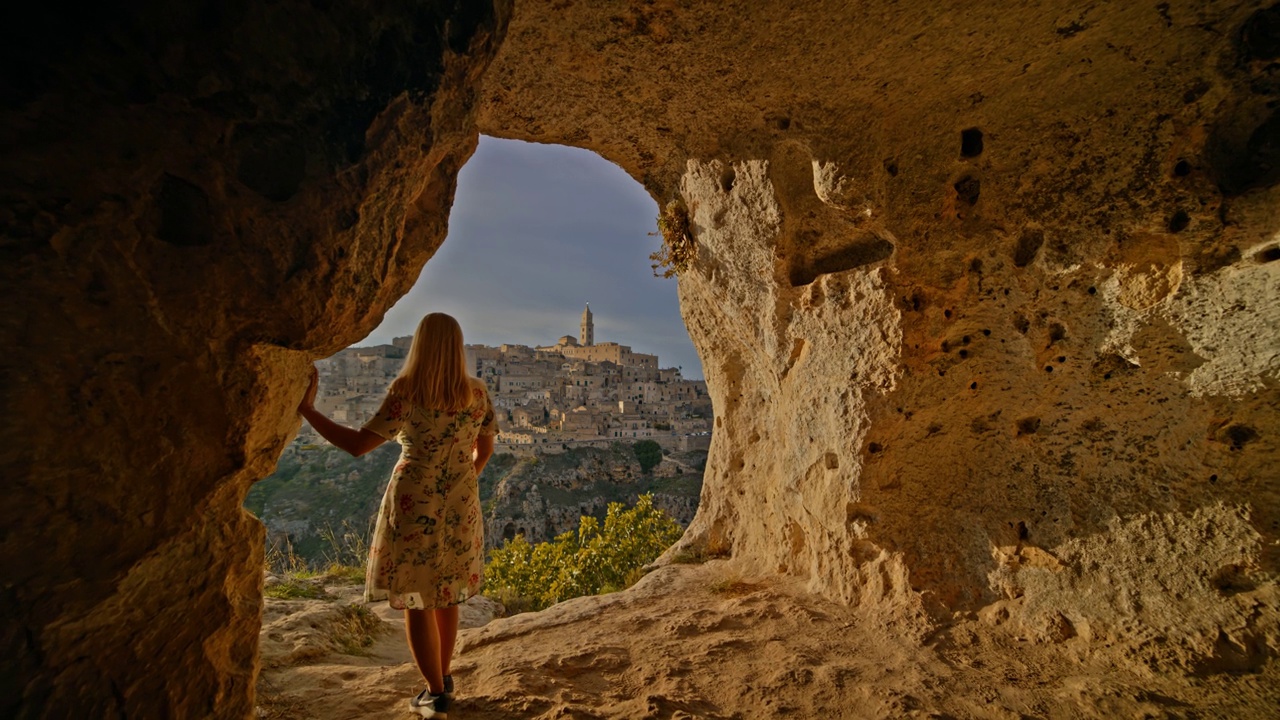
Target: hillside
<point>319,503</point>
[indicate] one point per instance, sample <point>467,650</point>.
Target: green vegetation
<point>292,587</point>
<point>678,249</point>
<point>322,488</point>
<point>355,630</point>
<point>596,559</point>
<point>648,454</point>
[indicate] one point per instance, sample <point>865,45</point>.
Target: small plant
<point>281,558</point>
<point>355,630</point>
<point>678,250</point>
<point>348,554</point>
<point>291,587</point>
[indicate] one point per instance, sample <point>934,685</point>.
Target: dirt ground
<point>703,641</point>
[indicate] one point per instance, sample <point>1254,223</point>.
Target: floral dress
<point>428,544</point>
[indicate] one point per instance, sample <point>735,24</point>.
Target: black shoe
<point>448,685</point>
<point>430,706</point>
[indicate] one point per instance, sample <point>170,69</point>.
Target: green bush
<point>649,454</point>
<point>595,559</point>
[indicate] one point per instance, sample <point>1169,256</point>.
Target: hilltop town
<point>574,393</point>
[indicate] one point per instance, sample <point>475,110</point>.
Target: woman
<point>427,551</point>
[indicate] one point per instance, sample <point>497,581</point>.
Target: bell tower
<point>588,335</point>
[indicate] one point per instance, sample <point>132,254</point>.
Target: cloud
<point>536,232</point>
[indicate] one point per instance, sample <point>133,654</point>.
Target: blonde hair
<point>434,375</point>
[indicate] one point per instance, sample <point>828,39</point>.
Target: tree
<point>595,559</point>
<point>649,454</point>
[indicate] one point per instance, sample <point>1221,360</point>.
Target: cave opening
<point>536,232</point>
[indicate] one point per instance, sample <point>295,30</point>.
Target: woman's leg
<point>424,643</point>
<point>447,627</point>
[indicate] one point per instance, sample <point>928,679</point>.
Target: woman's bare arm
<point>355,442</point>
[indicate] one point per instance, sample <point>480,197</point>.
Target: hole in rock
<point>1182,168</point>
<point>1260,34</point>
<point>1028,246</point>
<point>727,179</point>
<point>1028,425</point>
<point>1179,221</point>
<point>1270,254</point>
<point>968,189</point>
<point>866,251</point>
<point>1239,435</point>
<point>970,143</point>
<point>1255,164</point>
<point>609,395</point>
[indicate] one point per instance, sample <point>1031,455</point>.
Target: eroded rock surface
<point>198,198</point>
<point>986,297</point>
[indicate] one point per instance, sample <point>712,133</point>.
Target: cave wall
<point>986,296</point>
<point>198,199</point>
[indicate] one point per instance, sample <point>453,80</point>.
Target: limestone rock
<point>199,199</point>
<point>985,296</point>
<point>978,292</point>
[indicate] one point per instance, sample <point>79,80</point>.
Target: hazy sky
<point>536,232</point>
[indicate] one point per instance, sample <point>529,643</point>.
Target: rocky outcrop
<point>543,496</point>
<point>985,296</point>
<point>198,199</point>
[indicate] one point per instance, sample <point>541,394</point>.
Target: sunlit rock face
<point>197,200</point>
<point>987,296</point>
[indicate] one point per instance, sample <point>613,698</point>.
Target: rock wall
<point>544,496</point>
<point>198,198</point>
<point>986,296</point>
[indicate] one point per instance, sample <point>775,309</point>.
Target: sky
<point>536,233</point>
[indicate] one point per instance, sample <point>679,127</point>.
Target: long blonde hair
<point>434,375</point>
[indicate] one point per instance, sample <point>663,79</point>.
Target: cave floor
<point>704,641</point>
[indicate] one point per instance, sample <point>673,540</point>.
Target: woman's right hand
<point>309,397</point>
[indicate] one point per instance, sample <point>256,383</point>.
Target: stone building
<point>555,396</point>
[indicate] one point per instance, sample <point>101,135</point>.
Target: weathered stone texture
<point>986,295</point>
<point>197,200</point>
